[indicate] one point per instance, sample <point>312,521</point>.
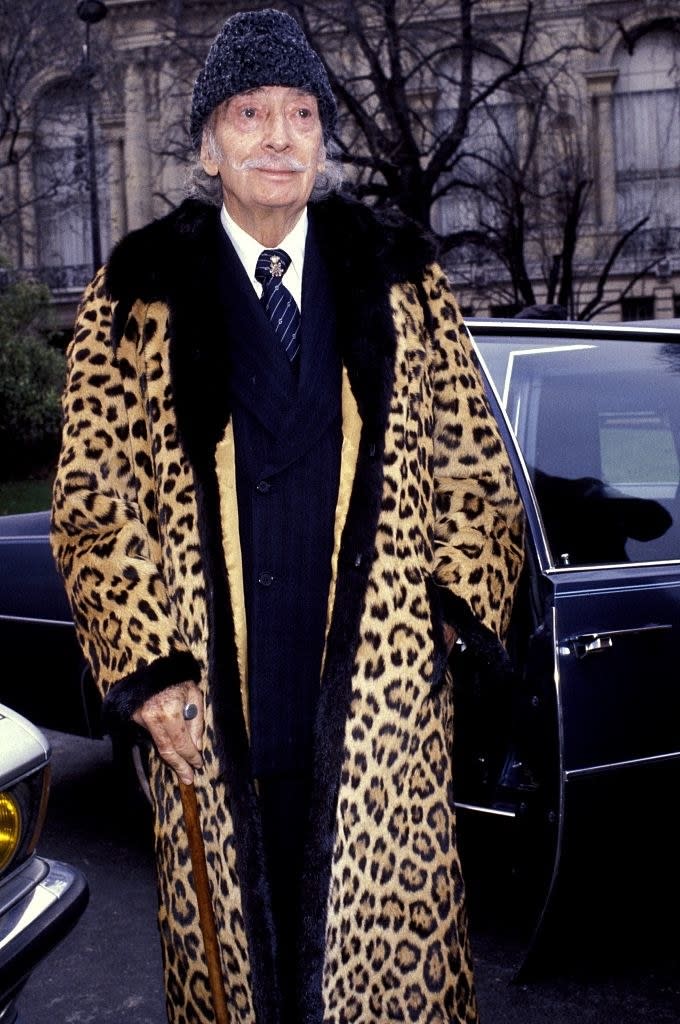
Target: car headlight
<point>10,828</point>
<point>22,813</point>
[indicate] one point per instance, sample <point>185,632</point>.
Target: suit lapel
<point>319,341</point>
<point>260,375</point>
<point>318,398</point>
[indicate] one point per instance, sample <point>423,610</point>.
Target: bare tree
<point>184,42</point>
<point>472,124</point>
<point>412,77</point>
<point>27,48</point>
<point>43,84</point>
<point>531,193</point>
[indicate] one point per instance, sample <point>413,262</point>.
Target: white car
<point>40,900</point>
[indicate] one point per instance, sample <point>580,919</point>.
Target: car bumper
<point>49,898</point>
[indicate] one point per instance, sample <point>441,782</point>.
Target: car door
<point>43,674</point>
<point>597,420</point>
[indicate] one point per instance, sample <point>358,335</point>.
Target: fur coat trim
<point>172,261</point>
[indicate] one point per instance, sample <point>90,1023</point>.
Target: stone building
<point>618,96</point>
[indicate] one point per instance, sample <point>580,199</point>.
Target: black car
<point>40,900</point>
<point>567,769</point>
<point>580,761</point>
<point>44,675</point>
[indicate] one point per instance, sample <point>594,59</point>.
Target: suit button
<point>263,486</point>
<point>265,579</point>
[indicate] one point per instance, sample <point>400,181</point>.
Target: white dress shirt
<point>248,249</point>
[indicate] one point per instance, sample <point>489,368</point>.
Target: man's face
<point>270,150</point>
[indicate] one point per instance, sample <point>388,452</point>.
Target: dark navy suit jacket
<point>287,434</point>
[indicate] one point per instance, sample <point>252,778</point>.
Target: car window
<point>598,422</point>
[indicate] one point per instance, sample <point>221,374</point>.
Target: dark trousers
<point>284,801</point>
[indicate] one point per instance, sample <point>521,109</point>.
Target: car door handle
<point>595,643</point>
<point>591,645</point>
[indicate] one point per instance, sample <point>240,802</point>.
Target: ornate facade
<point>619,99</point>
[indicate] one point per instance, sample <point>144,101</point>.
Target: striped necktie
<point>279,304</point>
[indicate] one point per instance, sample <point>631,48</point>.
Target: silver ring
<point>190,711</point>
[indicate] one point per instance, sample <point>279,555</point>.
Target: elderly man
<point>281,496</point>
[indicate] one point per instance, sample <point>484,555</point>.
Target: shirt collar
<point>248,248</point>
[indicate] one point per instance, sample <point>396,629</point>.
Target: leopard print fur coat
<point>428,531</point>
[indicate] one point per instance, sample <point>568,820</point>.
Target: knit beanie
<point>254,49</point>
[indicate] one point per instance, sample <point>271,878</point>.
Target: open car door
<point>583,766</point>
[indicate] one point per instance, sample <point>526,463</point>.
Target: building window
<point>492,140</point>
<point>676,306</point>
<point>647,131</point>
<point>637,307</point>
<point>62,181</point>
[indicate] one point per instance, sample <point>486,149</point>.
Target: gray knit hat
<point>254,49</point>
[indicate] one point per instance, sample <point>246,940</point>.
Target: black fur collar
<point>174,260</point>
<point>375,250</point>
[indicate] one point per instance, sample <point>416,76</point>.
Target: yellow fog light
<point>10,828</point>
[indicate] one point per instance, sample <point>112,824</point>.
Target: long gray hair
<point>208,187</point>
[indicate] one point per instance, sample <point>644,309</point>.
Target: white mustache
<point>271,163</point>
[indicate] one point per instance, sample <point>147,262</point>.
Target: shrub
<point>31,380</point>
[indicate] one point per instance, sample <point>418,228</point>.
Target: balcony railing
<point>57,279</point>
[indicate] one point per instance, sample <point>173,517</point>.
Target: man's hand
<point>177,741</point>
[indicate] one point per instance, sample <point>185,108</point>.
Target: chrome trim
<point>523,479</point>
<point>495,811</point>
<point>561,570</point>
<point>12,538</point>
<point>57,880</point>
<point>600,769</point>
<point>7,1013</point>
<point>20,883</point>
<point>585,644</point>
<point>8,780</point>
<point>622,588</point>
<point>30,618</point>
<point>534,352</point>
<point>522,328</point>
<point>559,838</point>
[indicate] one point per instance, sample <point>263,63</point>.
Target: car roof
<point>667,329</point>
<point>672,322</point>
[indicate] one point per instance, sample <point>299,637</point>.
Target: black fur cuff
<point>480,644</point>
<point>127,695</point>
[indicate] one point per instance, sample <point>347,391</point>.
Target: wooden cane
<point>203,898</point>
